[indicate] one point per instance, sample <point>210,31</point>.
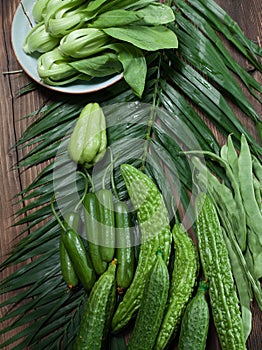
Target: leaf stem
<point>56,215</point>
<point>90,180</point>
<point>85,189</point>
<point>152,115</point>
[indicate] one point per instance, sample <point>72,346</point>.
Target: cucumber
<point>96,319</point>
<point>125,253</point>
<point>152,307</point>
<point>92,227</point>
<point>107,224</point>
<point>67,268</point>
<point>80,260</point>
<point>72,220</point>
<point>195,322</point>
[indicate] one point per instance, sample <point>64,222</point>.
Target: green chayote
<point>88,141</point>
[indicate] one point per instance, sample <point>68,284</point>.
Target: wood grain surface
<point>248,14</point>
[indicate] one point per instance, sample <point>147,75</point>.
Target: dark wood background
<point>248,14</point>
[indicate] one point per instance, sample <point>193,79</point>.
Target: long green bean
<point>241,236</point>
<point>223,195</point>
<point>243,287</point>
<point>257,168</point>
<point>258,192</point>
<point>232,156</point>
<point>239,258</point>
<point>247,264</point>
<point>245,175</point>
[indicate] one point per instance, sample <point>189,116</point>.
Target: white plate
<point>20,28</point>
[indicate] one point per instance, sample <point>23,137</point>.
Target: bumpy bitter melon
<point>195,322</point>
<point>184,274</point>
<point>96,319</point>
<point>156,235</point>
<point>217,270</point>
<point>152,307</point>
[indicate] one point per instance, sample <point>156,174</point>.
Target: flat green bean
<point>232,157</point>
<point>240,259</point>
<point>256,252</point>
<point>257,168</point>
<point>245,174</point>
<point>237,195</point>
<point>224,152</point>
<point>243,287</point>
<point>228,206</point>
<point>249,260</point>
<point>225,195</point>
<point>258,192</point>
<point>253,281</point>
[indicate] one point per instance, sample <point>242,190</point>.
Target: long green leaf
<point>203,56</point>
<point>222,22</point>
<point>176,104</point>
<point>209,99</point>
<point>146,38</point>
<point>231,63</point>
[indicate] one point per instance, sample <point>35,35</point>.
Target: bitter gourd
<point>217,270</point>
<point>155,235</point>
<point>152,307</point>
<point>96,319</point>
<point>195,322</point>
<point>184,274</point>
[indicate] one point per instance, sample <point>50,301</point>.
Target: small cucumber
<point>80,260</point>
<point>67,268</point>
<point>125,253</point>
<point>72,220</point>
<point>152,307</point>
<point>195,322</point>
<point>94,326</point>
<point>92,226</point>
<point>107,224</point>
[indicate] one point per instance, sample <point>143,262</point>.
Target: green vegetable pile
<point>166,298</point>
<point>238,204</point>
<point>82,40</point>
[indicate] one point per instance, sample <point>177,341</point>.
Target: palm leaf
<point>209,32</point>
<point>181,86</point>
<point>209,99</point>
<point>202,54</point>
<point>223,23</point>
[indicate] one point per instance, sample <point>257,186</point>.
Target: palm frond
<point>207,29</point>
<point>202,54</point>
<point>223,23</point>
<point>209,100</point>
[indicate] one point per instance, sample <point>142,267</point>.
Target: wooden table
<point>247,13</point>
